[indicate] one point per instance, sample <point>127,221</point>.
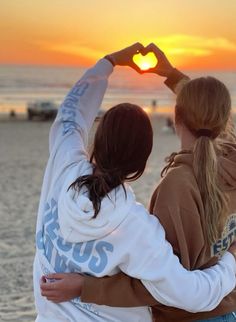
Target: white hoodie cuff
<point>229,259</point>
<point>103,67</point>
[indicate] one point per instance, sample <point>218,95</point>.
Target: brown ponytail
<point>98,186</point>
<point>122,145</point>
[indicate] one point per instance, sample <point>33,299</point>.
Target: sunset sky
<point>195,34</point>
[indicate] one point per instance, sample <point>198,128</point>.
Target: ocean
<point>20,85</point>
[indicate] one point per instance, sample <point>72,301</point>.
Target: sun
<point>145,62</point>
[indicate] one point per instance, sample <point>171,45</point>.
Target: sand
<point>24,152</point>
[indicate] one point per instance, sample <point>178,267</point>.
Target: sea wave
<point>22,84</point>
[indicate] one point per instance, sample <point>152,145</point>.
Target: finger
<point>48,286</point>
<point>56,276</point>
<point>135,67</point>
<point>152,46</point>
<point>52,298</point>
<point>138,47</point>
<point>150,70</point>
<point>145,51</point>
<point>156,50</point>
<point>49,293</point>
<point>149,47</point>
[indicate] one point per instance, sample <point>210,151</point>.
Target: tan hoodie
<point>178,205</point>
<point>182,215</point>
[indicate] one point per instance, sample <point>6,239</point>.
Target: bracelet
<point>109,58</point>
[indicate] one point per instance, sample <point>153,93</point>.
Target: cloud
<point>180,44</point>
<point>174,45</point>
<point>75,49</point>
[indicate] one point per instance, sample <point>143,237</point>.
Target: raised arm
<point>77,112</point>
<point>175,80</point>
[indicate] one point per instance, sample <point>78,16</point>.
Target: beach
<point>46,48</point>
<point>24,153</point>
<point>21,85</point>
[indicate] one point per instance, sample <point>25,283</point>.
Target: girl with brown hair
<point>89,221</point>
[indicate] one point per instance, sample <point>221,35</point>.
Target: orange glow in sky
<point>194,35</point>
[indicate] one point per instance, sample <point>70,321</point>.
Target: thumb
<point>137,47</point>
<point>150,70</point>
<point>135,67</point>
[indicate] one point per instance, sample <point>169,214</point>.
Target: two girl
<point>89,221</point>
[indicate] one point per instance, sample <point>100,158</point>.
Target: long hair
<point>122,145</point>
<point>204,107</point>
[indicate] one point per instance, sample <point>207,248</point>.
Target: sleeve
<point>188,243</point>
<point>167,280</point>
<point>200,291</point>
<point>119,290</point>
<point>176,81</point>
<point>78,111</point>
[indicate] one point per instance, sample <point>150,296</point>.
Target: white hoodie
<point>123,237</point>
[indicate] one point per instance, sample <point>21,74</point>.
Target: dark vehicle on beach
<point>44,110</point>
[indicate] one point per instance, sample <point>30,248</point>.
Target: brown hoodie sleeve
<point>176,81</point>
<point>118,290</point>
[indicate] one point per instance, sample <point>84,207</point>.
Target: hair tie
<point>204,132</point>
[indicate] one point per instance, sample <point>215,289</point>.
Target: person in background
<point>195,200</point>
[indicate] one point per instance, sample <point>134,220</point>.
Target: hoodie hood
<point>226,164</point>
<point>75,212</point>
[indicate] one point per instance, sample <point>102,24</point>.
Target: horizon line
<point>38,65</point>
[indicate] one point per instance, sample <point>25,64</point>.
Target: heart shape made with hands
<point>146,61</point>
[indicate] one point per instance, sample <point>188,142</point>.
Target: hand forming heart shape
<point>148,59</point>
<point>145,61</point>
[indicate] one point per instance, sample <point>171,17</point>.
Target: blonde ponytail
<point>204,108</point>
<point>214,200</point>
